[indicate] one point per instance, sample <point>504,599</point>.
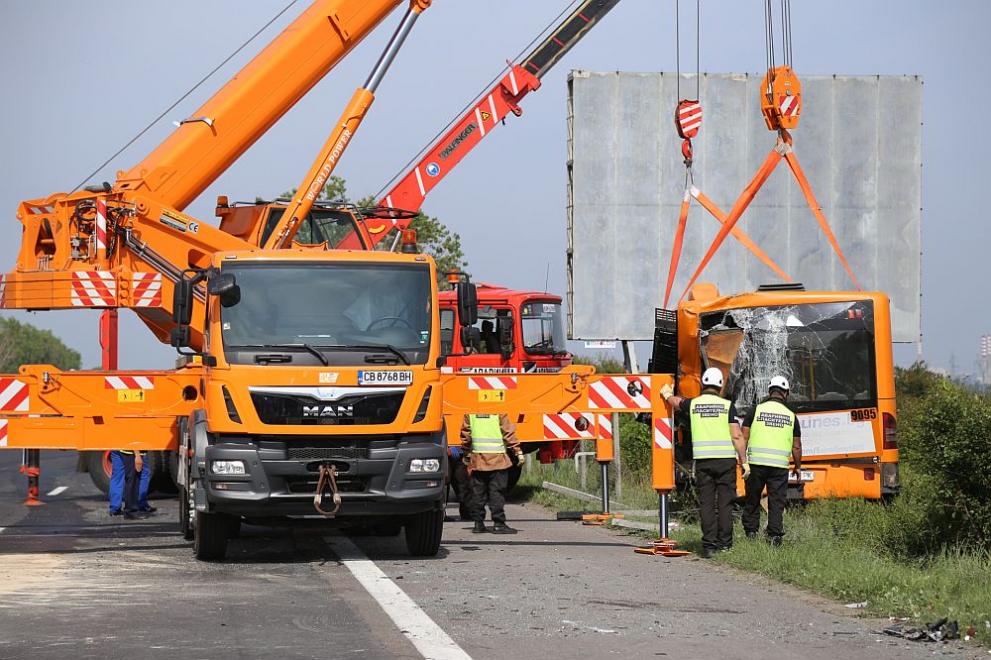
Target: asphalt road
<point>75,583</point>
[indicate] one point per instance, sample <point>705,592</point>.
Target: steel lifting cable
<point>183,97</point>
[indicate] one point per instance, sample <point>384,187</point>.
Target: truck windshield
<point>346,313</point>
<point>543,331</point>
<point>825,350</point>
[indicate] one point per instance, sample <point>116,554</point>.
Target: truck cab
<point>517,332</point>
<point>317,361</point>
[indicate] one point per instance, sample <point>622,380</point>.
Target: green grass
<point>848,550</point>
<point>956,585</point>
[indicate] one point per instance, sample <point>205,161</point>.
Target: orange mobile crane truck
<point>303,371</point>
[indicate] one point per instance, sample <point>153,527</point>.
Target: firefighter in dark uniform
<point>772,433</point>
<point>717,448</point>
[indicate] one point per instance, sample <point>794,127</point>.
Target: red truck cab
<point>516,332</point>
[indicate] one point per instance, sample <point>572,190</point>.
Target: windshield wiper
<point>306,347</point>
<point>370,347</point>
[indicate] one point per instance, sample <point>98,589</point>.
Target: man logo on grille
<point>342,410</point>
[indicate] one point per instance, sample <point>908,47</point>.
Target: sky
<point>81,79</point>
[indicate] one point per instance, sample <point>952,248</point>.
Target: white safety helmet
<point>712,378</point>
<point>779,382</point>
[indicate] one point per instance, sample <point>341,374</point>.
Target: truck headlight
<point>424,465</point>
<point>227,467</point>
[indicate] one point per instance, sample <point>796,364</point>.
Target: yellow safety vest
<point>486,434</point>
<point>771,435</point>
<point>711,436</point>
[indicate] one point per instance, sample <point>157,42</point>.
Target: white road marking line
<point>428,638</point>
<point>58,490</point>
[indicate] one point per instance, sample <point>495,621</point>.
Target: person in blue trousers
<point>124,482</point>
<point>145,480</point>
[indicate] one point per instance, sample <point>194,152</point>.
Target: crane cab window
<point>320,226</point>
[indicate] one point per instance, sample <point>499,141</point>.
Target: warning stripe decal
<point>14,395</point>
<point>96,288</point>
<point>663,433</point>
<point>563,426</point>
<point>629,392</point>
<point>147,289</point>
<point>491,383</point>
<point>129,383</point>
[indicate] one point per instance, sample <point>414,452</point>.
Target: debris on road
<point>856,606</point>
<point>939,631</point>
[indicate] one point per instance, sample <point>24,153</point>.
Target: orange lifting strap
<point>781,105</point>
<point>688,123</point>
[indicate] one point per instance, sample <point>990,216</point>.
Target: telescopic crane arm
<point>483,117</point>
<point>126,245</point>
<point>309,191</point>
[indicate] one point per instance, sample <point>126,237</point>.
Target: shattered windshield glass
<point>825,350</point>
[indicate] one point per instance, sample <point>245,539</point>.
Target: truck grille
<point>295,453</point>
<point>295,410</point>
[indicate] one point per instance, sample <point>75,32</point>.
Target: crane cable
<point>183,97</point>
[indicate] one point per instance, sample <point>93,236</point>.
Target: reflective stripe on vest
<point>711,436</point>
<point>771,435</point>
<point>486,434</point>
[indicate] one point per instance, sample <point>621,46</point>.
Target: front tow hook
<point>327,481</point>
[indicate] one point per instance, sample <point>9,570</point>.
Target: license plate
<point>806,475</point>
<point>383,377</point>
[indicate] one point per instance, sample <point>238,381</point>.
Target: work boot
<point>502,528</point>
<point>775,541</point>
<point>479,527</point>
<point>751,536</point>
<point>117,512</point>
<point>149,509</point>
<point>706,553</point>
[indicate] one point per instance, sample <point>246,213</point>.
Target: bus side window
<point>446,331</point>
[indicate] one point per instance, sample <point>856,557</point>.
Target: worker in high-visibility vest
<point>772,434</point>
<point>717,448</point>
<point>491,449</point>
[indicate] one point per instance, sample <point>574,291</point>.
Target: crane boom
<point>207,143</point>
<point>485,116</point>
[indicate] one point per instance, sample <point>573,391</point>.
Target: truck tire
<point>98,466</point>
<point>423,533</point>
<point>161,479</point>
<point>210,537</point>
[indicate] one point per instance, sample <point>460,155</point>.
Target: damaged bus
<point>835,350</point>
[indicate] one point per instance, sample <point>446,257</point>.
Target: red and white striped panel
<point>605,426</point>
<point>101,224</point>
<point>491,383</point>
<point>564,426</point>
<point>663,432</point>
<point>93,288</point>
<point>13,397</point>
<point>38,209</point>
<point>147,289</point>
<point>689,115</point>
<point>129,383</point>
<point>789,106</point>
<point>629,392</point>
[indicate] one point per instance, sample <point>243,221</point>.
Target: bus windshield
<point>825,350</point>
<point>543,331</point>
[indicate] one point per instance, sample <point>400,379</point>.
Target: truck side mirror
<point>225,286</point>
<point>467,303</point>
<point>182,302</point>
<point>505,331</point>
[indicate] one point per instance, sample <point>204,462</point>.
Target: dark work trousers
<point>776,480</point>
<point>462,488</point>
<point>717,488</point>
<point>132,483</point>
<point>490,488</point>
